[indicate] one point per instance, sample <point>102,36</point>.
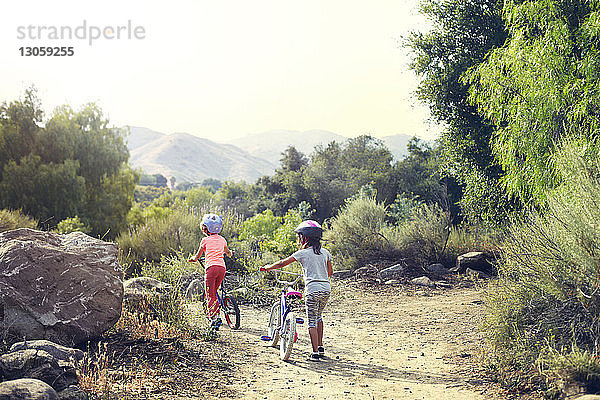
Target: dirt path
<point>390,345</point>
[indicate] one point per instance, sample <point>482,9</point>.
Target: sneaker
<point>313,357</point>
<point>215,324</point>
<point>321,352</point>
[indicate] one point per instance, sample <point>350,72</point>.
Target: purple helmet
<point>310,228</point>
<point>213,223</point>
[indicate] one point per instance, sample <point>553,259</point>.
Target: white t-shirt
<point>315,269</point>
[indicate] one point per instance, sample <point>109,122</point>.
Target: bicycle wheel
<point>232,312</point>
<point>288,336</point>
<point>274,323</point>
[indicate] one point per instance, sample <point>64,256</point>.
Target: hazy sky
<point>223,69</point>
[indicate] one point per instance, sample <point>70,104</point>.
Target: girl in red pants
<point>213,246</point>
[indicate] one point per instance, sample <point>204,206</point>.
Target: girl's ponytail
<point>315,243</point>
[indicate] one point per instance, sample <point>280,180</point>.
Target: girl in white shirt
<point>317,269</point>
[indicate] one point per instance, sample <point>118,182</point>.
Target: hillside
<point>139,136</point>
<point>189,158</point>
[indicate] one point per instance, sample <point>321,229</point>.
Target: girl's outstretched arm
<point>228,252</point>
<point>279,264</point>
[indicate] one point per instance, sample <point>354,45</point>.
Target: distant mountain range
<point>189,158</point>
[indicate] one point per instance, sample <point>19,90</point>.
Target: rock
<point>588,397</point>
<point>72,393</point>
<point>475,260</point>
<point>362,271</point>
<point>194,290</point>
<point>342,274</point>
<point>437,270</point>
<point>37,364</point>
<point>423,281</point>
<point>392,272</point>
<point>137,290</point>
<point>477,274</point>
<point>391,282</point>
<point>55,350</point>
<point>26,389</point>
<point>184,281</point>
<point>64,288</point>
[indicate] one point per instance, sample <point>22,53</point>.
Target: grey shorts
<point>315,303</point>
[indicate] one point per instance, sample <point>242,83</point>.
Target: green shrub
<point>145,195</point>
<point>423,238</point>
<point>138,215</point>
<point>359,232</point>
<point>166,234</point>
<point>284,237</point>
<point>198,197</point>
<point>73,224</point>
<point>170,268</point>
<point>260,228</point>
<point>13,219</point>
<point>402,208</point>
<point>545,309</point>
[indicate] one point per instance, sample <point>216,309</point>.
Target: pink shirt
<point>214,247</point>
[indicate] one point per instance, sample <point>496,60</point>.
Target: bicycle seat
<point>293,294</point>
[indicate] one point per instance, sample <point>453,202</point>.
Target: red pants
<point>212,280</point>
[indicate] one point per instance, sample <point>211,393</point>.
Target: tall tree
<point>337,171</point>
<point>419,175</point>
<point>463,32</point>
<point>74,165</point>
<point>539,88</point>
<point>50,192</point>
<point>19,127</point>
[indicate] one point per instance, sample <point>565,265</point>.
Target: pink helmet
<point>310,228</point>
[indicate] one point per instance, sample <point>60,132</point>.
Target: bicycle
<point>283,310</point>
<point>227,305</point>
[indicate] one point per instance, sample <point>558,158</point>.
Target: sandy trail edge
<point>394,344</point>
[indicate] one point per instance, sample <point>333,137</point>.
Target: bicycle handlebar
<point>292,283</point>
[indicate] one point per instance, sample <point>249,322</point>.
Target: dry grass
<point>145,356</point>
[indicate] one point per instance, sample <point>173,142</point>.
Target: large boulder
<point>26,389</point>
<point>149,296</point>
<point>184,282</point>
<point>145,286</point>
<point>44,361</point>
<point>64,288</point>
